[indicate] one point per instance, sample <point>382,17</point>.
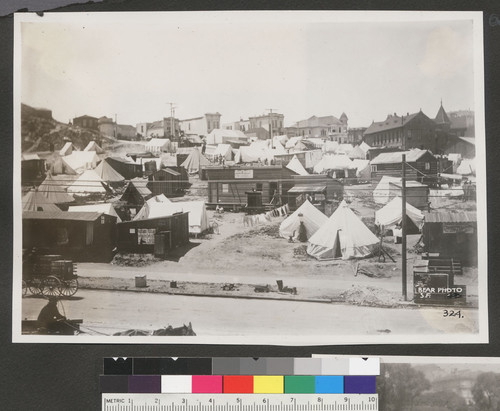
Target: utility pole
<point>271,124</point>
<point>403,227</point>
<point>172,111</point>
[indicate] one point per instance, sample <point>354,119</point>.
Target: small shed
<point>137,192</point>
<point>452,235</point>
<point>417,194</point>
<point>125,167</point>
<point>169,182</point>
<point>139,236</point>
<point>79,236</point>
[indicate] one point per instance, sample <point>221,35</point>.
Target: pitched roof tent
<point>312,218</point>
<point>296,166</point>
<point>108,173</point>
<point>34,200</point>
<point>54,192</point>
<point>344,236</point>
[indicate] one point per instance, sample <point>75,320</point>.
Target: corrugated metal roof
<point>62,215</point>
<point>395,157</point>
<point>451,217</point>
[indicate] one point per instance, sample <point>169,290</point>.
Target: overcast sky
<point>240,65</point>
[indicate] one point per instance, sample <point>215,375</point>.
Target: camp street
<point>108,312</point>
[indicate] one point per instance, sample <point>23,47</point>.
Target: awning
<point>306,188</point>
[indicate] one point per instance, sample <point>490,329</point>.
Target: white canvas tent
<point>333,162</point>
<point>467,167</point>
<point>158,145</point>
<point>34,200</point>
<point>93,146</point>
<point>391,214</point>
<point>224,150</point>
<point>88,183</point>
<point>67,149</point>
<point>54,190</point>
<point>194,161</point>
<point>312,218</point>
<point>108,173</point>
<point>344,236</point>
<point>198,219</point>
<point>106,208</point>
<point>296,166</point>
<point>382,192</point>
<point>363,170</point>
<point>79,161</point>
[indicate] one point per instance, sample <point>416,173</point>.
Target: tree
<point>399,385</point>
<point>486,392</point>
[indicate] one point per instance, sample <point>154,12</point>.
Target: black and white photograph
<point>291,178</point>
<point>439,384</point>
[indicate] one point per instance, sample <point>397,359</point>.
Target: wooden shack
<point>417,194</point>
<point>228,185</point>
<point>421,165</point>
<point>169,182</point>
<point>78,236</point>
<point>125,167</point>
<point>141,236</point>
<point>318,188</point>
<point>451,235</point>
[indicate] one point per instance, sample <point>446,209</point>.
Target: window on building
<point>225,188</point>
<point>374,169</point>
<point>258,187</point>
<point>427,166</point>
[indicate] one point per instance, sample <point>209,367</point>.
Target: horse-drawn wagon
<point>49,275</point>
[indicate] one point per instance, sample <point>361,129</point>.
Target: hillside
<point>39,131</point>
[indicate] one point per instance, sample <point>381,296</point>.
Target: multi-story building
<point>462,123</point>
<point>242,125</point>
<point>201,126</point>
<point>272,123</point>
<point>328,127</point>
<point>86,122</point>
<point>355,135</point>
<point>405,132</point>
<point>169,128</point>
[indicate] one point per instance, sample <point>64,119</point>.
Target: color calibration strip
<point>253,376</point>
<point>242,366</point>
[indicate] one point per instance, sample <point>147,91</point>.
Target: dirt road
<point>107,312</point>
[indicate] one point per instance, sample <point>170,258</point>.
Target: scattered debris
<point>229,287</point>
<point>262,288</point>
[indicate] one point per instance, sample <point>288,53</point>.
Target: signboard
<point>146,235</point>
<point>452,228</point>
<point>435,289</point>
<point>243,173</point>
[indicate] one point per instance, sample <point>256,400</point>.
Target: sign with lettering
<point>452,228</point>
<point>146,235</point>
<point>243,173</point>
<point>435,289</point>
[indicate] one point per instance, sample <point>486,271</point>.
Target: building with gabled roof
<point>324,126</point>
<point>422,165</point>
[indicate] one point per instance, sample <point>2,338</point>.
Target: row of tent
<point>343,234</point>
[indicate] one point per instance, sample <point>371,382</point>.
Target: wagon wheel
<point>69,287</point>
<point>51,286</point>
<point>35,286</point>
<point>25,288</point>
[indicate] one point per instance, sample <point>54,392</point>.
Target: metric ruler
<point>239,402</point>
